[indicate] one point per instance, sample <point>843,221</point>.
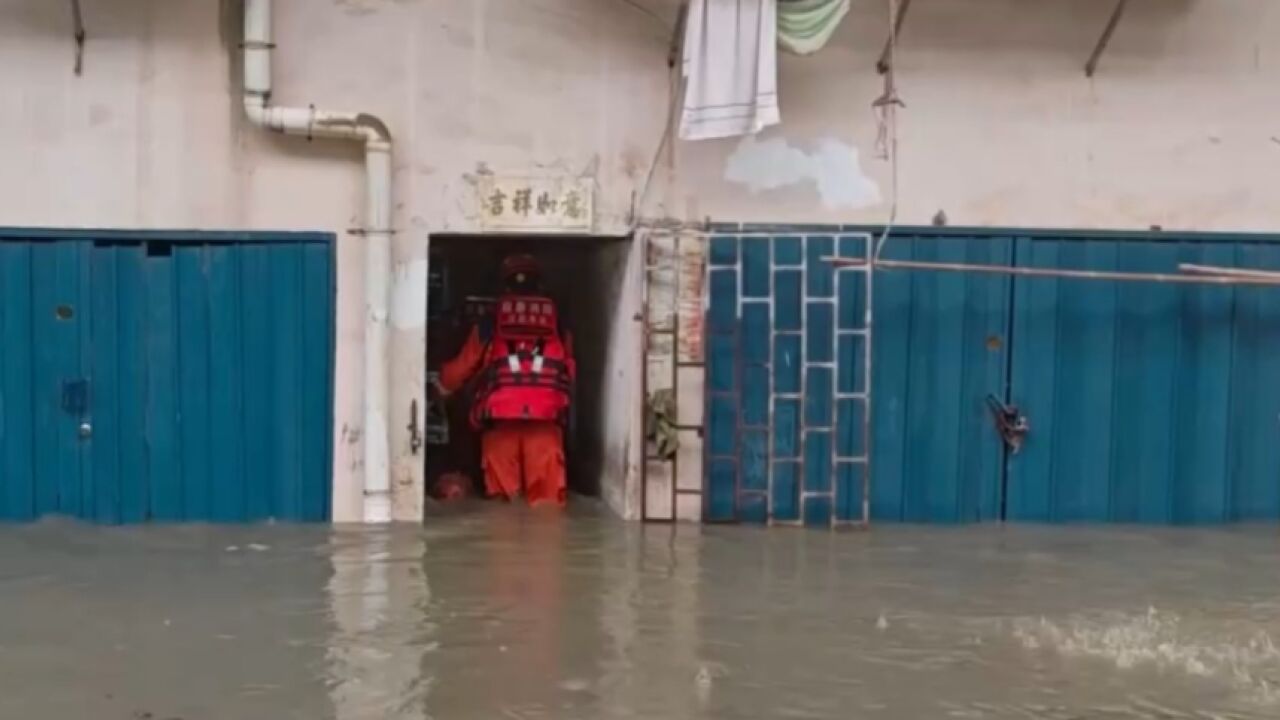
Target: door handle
<point>415,434</point>
<point>1010,423</point>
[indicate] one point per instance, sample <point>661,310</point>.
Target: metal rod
<point>1092,65</point>
<point>1228,271</point>
<point>871,262</point>
<point>1208,279</point>
<point>78,19</point>
<point>642,240</point>
<point>882,65</point>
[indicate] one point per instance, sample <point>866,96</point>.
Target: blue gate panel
<point>1253,460</point>
<point>774,358</point>
<point>132,372</point>
<point>316,322</point>
<point>192,284</point>
<point>1202,378</point>
<point>753,460</point>
<point>850,478</point>
<point>940,347</point>
<point>164,468</point>
<point>105,363</point>
<point>784,495</point>
<point>755,395</point>
<point>227,385</point>
<point>17,432</point>
<point>721,490</point>
<point>286,378</point>
<point>756,269</point>
<point>56,312</point>
<point>256,325</point>
<point>755,333</point>
<point>158,378</point>
<point>1148,402</point>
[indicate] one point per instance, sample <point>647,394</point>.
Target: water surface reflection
<point>504,612</point>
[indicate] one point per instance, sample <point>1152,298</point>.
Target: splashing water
<point>1247,658</point>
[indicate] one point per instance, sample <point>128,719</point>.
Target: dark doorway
<point>585,276</point>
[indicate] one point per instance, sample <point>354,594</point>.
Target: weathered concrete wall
<point>1002,128</point>
<point>1178,128</point>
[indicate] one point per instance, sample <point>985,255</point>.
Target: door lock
<point>1010,423</point>
<point>415,434</point>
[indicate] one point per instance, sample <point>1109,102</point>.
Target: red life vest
<point>527,372</point>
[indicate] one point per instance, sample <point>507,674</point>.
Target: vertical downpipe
<point>377,491</point>
<point>370,131</point>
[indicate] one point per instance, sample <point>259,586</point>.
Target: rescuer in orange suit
<point>526,372</point>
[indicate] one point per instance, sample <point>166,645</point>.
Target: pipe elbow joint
<point>256,109</point>
<point>374,127</point>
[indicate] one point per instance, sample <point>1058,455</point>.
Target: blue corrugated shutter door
<point>157,380</point>
<point>1148,402</point>
<point>941,348</point>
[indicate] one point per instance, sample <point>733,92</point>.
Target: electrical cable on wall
<point>886,109</point>
<point>77,18</point>
<point>675,89</point>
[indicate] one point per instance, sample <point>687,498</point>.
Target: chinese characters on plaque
<point>531,204</point>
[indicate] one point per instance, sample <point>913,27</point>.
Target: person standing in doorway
<point>526,373</point>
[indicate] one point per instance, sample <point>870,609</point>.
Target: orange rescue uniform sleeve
<point>456,372</point>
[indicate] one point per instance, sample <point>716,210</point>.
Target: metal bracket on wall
<point>1092,66</point>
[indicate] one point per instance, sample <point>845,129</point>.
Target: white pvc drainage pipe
<point>373,133</point>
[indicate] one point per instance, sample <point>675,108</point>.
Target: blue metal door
<point>165,377</point>
<point>941,350</point>
<point>1148,402</point>
<point>45,392</point>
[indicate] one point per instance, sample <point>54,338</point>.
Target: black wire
<point>656,17</point>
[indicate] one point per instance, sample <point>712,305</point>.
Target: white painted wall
<point>1180,128</point>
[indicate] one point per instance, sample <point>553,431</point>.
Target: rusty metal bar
<point>882,65</point>
<point>869,250</point>
<point>1241,278</point>
<point>1092,66</point>
<point>1215,270</point>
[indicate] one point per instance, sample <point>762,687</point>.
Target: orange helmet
<point>519,267</point>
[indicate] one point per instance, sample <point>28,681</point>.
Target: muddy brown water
<point>506,613</point>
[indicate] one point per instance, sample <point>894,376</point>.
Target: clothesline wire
<point>655,16</point>
<point>675,87</point>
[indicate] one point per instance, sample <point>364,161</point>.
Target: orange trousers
<point>526,456</point>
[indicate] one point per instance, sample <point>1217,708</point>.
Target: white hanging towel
<point>730,68</point>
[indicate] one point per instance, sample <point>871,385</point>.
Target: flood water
<point>502,612</point>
